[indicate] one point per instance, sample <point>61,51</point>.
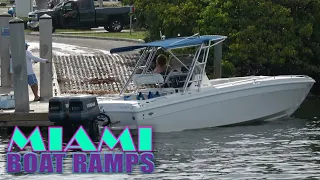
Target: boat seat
<point>144,79</point>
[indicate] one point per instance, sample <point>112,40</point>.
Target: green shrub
<point>268,37</point>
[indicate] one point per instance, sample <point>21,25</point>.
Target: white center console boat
<point>184,98</point>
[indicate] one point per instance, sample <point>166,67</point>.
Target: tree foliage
<point>171,17</point>
<point>260,33</point>
<point>265,37</point>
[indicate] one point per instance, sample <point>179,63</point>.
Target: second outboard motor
<point>84,110</point>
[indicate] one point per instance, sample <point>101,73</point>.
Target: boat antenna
<point>197,34</point>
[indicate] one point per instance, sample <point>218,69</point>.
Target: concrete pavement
<point>3,9</point>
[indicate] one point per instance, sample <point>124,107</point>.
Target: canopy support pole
<point>217,61</point>
<point>135,68</point>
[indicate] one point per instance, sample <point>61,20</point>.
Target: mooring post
<point>19,63</point>
<point>217,61</point>
<point>6,80</point>
<point>45,29</point>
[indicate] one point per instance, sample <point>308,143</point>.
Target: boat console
<point>176,79</point>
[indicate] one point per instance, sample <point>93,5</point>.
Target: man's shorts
<point>32,79</point>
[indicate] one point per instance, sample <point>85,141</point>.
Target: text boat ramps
<point>184,98</point>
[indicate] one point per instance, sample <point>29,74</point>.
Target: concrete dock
<point>79,67</point>
<point>38,115</point>
<point>98,74</point>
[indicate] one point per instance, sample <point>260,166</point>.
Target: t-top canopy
<point>172,43</point>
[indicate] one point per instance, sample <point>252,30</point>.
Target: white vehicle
<point>189,100</point>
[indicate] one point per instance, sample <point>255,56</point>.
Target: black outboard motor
<point>59,114</point>
<point>84,110</point>
<point>59,110</point>
<point>72,112</point>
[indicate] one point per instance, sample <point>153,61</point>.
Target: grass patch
<point>62,30</point>
<point>72,30</point>
<point>134,35</point>
<point>81,32</point>
<point>28,31</point>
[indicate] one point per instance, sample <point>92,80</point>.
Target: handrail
<point>257,79</point>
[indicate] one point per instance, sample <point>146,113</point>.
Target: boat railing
<point>235,82</point>
<point>255,79</point>
<point>252,78</point>
<point>292,76</point>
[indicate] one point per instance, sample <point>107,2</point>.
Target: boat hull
<point>223,106</point>
<point>253,104</point>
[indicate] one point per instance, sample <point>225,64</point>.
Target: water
<point>287,149</point>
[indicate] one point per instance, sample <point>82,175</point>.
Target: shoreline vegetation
<point>264,38</point>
